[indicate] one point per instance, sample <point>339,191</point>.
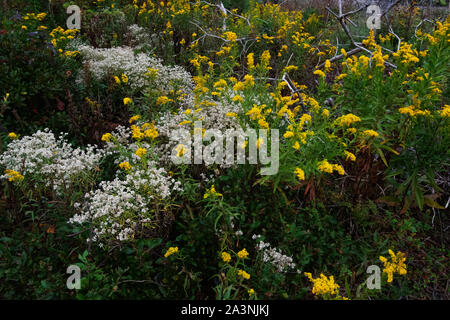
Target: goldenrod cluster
<point>243,254</point>
<point>13,175</point>
<point>226,257</point>
<point>147,130</point>
<point>171,251</point>
<point>212,192</point>
<point>244,274</point>
<point>323,285</point>
<point>397,265</point>
<point>325,166</point>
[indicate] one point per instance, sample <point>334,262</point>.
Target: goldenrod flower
<point>265,58</point>
<point>323,284</point>
<point>136,132</point>
<point>239,86</point>
<point>370,133</point>
<point>325,166</point>
<point>250,61</point>
<point>220,84</point>
<point>181,150</point>
<point>300,174</point>
<point>151,132</point>
<point>243,274</point>
<point>396,266</point>
<point>226,257</point>
<point>125,165</point>
<point>141,152</point>
<point>171,251</point>
<point>347,119</point>
<point>249,81</point>
<point>13,175</point>
<point>445,112</point>
<point>288,134</point>
<point>320,73</point>
<point>211,192</point>
<point>339,169</point>
<point>230,36</point>
<point>184,122</point>
<point>327,65</point>
<point>124,78</point>
<point>243,254</point>
<point>134,118</point>
<point>163,100</point>
<point>107,137</point>
<point>349,156</point>
<point>259,142</point>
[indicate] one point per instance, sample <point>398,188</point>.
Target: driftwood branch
<point>343,17</point>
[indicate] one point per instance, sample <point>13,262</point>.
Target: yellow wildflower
<point>243,254</point>
<point>325,166</point>
<point>339,169</point>
<point>259,142</point>
<point>397,265</point>
<point>136,132</point>
<point>323,285</point>
<point>243,274</point>
<point>124,78</point>
<point>140,152</point>
<point>125,165</point>
<point>250,61</point>
<point>320,73</point>
<point>237,98</point>
<point>445,112</point>
<point>134,118</point>
<point>163,100</point>
<point>13,175</point>
<point>226,257</point>
<point>239,86</point>
<point>349,156</point>
<point>347,119</point>
<point>171,251</point>
<point>370,133</point>
<point>107,137</point>
<point>181,150</point>
<point>288,134</point>
<point>230,36</point>
<point>300,174</point>
<point>211,192</point>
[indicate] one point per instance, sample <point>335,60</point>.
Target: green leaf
<point>382,156</point>
<point>431,203</point>
<point>419,196</point>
